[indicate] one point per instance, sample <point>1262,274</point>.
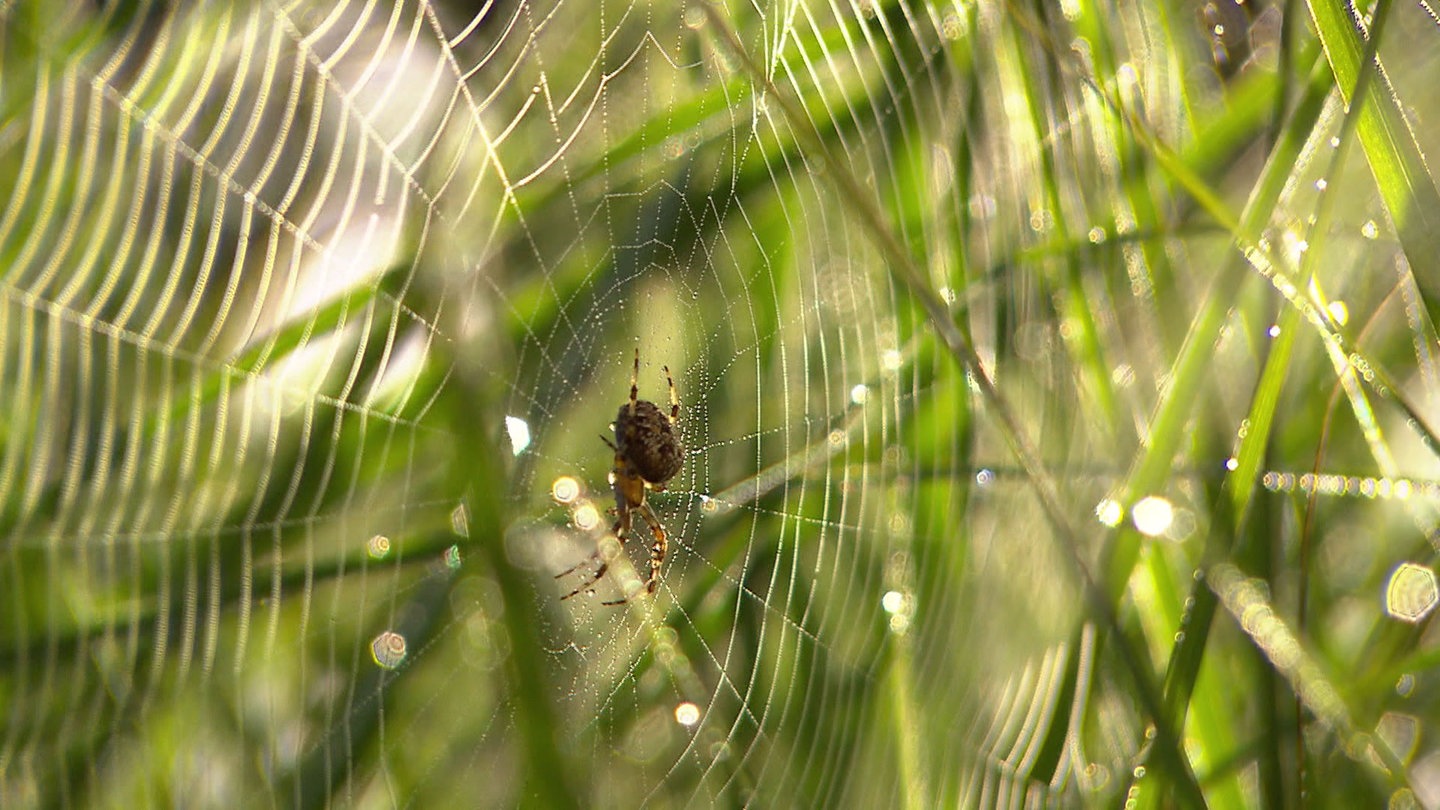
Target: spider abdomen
<point>647,440</point>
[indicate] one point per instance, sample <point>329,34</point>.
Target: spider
<point>647,455</point>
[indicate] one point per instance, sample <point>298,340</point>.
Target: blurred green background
<point>1057,390</point>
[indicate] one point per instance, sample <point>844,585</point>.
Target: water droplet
<point>859,393</point>
<point>388,650</point>
<point>1370,230</point>
<point>984,478</point>
<point>1232,464</point>
<point>890,360</point>
<point>1321,185</point>
<point>452,557</point>
<point>1096,235</point>
<point>1274,330</point>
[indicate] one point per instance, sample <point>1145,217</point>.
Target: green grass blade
<point>1405,183</point>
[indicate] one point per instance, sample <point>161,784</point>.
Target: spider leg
<point>588,584</point>
<point>594,555</point>
<point>674,398</point>
<point>635,382</point>
<point>621,531</point>
<point>657,553</point>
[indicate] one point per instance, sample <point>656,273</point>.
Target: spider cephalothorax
<point>647,455</point>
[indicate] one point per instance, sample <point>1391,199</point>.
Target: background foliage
<point>1057,386</point>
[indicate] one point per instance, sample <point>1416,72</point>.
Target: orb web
<point>313,318</point>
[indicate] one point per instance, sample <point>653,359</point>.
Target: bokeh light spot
<point>565,489</point>
<point>460,520</point>
<point>1412,593</point>
<point>586,516</point>
<point>1152,515</point>
<point>519,432</point>
<point>378,546</point>
<point>1405,685</point>
<point>1401,732</point>
<point>388,650</point>
<point>892,601</point>
<point>687,714</point>
<point>1109,512</point>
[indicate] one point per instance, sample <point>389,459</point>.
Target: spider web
<point>256,253</point>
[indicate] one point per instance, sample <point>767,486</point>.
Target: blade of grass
<point>901,266</point>
<point>548,775</point>
<point>1405,183</point>
<point>1241,482</point>
<point>1087,342</point>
